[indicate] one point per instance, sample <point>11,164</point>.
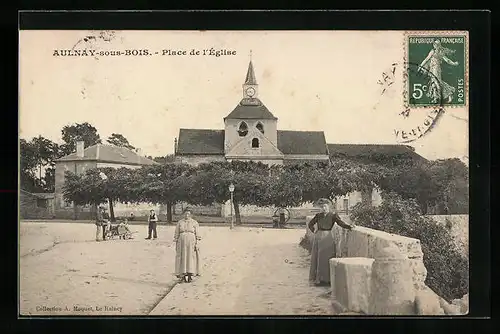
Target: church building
<point>250,133</point>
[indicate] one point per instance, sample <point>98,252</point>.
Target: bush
<point>447,269</point>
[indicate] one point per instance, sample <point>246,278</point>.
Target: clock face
<point>250,91</point>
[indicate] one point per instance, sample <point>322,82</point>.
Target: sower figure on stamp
<point>152,220</point>
<point>433,64</point>
<point>323,245</point>
<point>186,238</point>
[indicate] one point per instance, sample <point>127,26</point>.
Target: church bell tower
<point>250,87</point>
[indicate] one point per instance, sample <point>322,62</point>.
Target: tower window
<point>260,127</point>
<point>255,143</point>
<point>243,129</point>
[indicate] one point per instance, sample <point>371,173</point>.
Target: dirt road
<point>247,271</point>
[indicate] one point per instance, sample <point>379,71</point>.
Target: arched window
<point>243,129</point>
<point>260,127</point>
<point>255,143</point>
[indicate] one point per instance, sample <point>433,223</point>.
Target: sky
<point>311,80</point>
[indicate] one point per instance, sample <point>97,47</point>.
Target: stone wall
<point>378,273</point>
<point>365,242</point>
<point>253,210</point>
<point>201,210</point>
<point>29,207</point>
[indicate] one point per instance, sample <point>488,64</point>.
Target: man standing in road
<point>100,224</point>
<point>152,220</point>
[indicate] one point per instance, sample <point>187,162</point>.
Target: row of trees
<point>38,155</point>
<point>255,183</point>
<point>441,182</point>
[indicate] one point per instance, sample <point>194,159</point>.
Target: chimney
<point>175,145</point>
<point>98,146</point>
<point>80,147</point>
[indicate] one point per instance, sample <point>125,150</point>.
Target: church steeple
<point>250,79</point>
<point>250,85</point>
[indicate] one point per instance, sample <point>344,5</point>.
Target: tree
<point>46,152</point>
<point>163,184</point>
<point>209,183</point>
<point>100,185</point>
<point>443,184</point>
<point>28,164</point>
<point>284,188</point>
<point>451,185</point>
<point>49,179</point>
<point>36,154</point>
<point>77,132</point>
<point>119,140</point>
<point>322,180</point>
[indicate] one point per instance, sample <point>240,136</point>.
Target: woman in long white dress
<point>187,237</point>
<point>437,88</point>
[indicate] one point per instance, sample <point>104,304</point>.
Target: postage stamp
<point>441,58</point>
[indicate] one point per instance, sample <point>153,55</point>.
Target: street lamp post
<point>104,178</point>
<point>231,190</point>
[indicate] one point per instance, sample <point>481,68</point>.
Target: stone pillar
<point>392,289</point>
<point>350,281</point>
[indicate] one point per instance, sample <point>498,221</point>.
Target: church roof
<point>211,142</point>
<point>250,109</point>
<point>250,79</point>
<point>370,151</point>
<point>302,142</point>
<point>200,141</point>
<point>111,154</point>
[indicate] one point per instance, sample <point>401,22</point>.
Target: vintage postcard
<point>243,173</point>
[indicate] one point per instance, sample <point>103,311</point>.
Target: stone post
<point>392,289</point>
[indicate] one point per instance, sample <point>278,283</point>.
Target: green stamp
<point>440,75</point>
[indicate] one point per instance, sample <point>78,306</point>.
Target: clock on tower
<point>250,92</point>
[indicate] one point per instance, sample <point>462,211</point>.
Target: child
<point>123,229</point>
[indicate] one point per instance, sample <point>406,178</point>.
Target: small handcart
<point>120,230</point>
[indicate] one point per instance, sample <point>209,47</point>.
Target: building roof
<point>369,151</point>
<point>250,109</point>
<point>110,154</point>
<point>302,142</point>
<point>250,78</point>
<point>204,141</point>
<point>200,141</point>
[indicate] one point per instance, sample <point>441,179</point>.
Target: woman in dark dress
<point>323,245</point>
